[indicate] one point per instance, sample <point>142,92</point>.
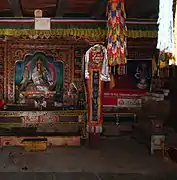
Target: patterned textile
<point>96,73</point>
<point>117,33</point>
<point>91,54</point>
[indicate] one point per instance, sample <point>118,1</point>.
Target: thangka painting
<point>38,74</point>
<point>141,72</point>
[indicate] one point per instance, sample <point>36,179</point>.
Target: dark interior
<point>76,8</point>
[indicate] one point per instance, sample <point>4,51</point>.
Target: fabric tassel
<point>117,33</point>
<point>112,81</point>
<point>154,66</point>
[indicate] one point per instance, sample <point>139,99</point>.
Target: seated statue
<point>37,80</point>
<point>70,95</point>
<point>36,85</point>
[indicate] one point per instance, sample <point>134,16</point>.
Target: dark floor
<point>115,159</point>
<point>85,176</point>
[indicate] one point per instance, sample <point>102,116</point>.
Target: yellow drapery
<point>101,33</point>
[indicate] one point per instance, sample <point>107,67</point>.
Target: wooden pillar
<point>95,103</point>
<point>172,120</point>
<point>96,72</point>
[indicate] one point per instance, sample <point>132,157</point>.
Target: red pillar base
<point>94,140</point>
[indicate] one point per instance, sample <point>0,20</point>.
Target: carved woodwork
<point>1,71</point>
<point>15,48</point>
<point>16,51</point>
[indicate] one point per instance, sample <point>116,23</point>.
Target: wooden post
<point>96,72</point>
<point>172,121</point>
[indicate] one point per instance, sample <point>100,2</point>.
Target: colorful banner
<point>96,72</point>
<point>95,97</point>
<point>117,33</point>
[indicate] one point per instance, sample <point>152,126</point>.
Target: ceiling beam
<point>60,7</point>
<point>16,7</point>
<point>152,14</point>
<point>98,8</point>
<point>129,7</point>
<point>145,8</point>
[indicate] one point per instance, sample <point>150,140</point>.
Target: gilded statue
<point>70,95</point>
<point>38,79</point>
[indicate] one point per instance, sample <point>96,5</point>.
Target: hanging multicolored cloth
<point>117,33</point>
<point>165,34</point>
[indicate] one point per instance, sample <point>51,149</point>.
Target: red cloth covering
<point>121,82</point>
<point>1,103</point>
<point>110,101</point>
<point>123,85</point>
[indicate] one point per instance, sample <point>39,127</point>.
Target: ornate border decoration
<point>92,34</point>
<point>90,99</point>
<point>18,51</point>
<point>41,113</point>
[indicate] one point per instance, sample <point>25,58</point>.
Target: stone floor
<point>115,159</point>
<point>84,176</point>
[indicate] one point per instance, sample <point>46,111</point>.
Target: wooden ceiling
<point>76,8</point>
